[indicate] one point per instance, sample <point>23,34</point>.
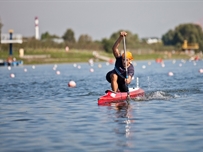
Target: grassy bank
<point>61,56</point>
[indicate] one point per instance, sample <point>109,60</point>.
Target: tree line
<point>193,33</point>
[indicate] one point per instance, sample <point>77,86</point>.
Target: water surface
<point>39,112</point>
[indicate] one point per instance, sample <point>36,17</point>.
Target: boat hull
<point>115,97</point>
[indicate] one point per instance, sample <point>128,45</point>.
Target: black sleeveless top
<point>120,70</point>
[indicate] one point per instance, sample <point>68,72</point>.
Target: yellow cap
<point>128,55</point>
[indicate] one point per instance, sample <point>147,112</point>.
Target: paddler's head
<point>128,59</point>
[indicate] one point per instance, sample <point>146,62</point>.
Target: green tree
<point>107,45</point>
<point>168,38</point>
<point>1,25</point>
<point>84,38</point>
<point>47,36</point>
<point>69,36</point>
<point>131,40</point>
<point>84,42</point>
<point>191,32</point>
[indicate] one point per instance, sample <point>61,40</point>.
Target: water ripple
<point>39,112</point>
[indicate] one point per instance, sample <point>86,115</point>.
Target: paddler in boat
<point>117,76</point>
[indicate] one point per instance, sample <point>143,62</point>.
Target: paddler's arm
<point>128,80</point>
<point>116,52</point>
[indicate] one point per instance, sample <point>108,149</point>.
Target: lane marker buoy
<point>170,73</point>
<point>72,84</point>
<point>9,68</point>
<point>58,72</point>
<point>12,75</point>
<point>200,70</point>
<point>91,70</point>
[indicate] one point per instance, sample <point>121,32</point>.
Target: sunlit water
<point>39,112</point>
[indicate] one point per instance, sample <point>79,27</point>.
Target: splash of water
<point>159,95</point>
<point>156,95</point>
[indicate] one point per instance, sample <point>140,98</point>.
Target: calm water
<point>39,112</point>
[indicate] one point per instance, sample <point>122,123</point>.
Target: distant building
<point>58,40</point>
<point>152,40</point>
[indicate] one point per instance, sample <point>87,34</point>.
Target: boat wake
<point>156,95</point>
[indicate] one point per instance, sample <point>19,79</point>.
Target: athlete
<point>117,76</point>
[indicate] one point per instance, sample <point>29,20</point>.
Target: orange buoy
<point>196,58</point>
<point>159,60</point>
<point>111,61</point>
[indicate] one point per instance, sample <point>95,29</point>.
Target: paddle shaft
<point>124,47</point>
<point>126,68</point>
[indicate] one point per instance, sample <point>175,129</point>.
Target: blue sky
<point>99,18</point>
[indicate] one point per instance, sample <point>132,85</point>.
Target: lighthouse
<point>36,28</point>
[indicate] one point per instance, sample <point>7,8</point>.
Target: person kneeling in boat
<point>117,76</point>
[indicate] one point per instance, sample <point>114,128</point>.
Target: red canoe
<point>115,97</point>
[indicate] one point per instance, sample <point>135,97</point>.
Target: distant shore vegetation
<point>65,48</point>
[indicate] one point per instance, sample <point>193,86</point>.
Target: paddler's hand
<point>128,80</point>
<point>123,33</point>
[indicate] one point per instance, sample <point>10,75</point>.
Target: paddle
<point>126,69</point>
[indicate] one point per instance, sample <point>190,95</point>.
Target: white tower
<point>36,28</point>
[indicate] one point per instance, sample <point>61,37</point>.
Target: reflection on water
<point>123,118</point>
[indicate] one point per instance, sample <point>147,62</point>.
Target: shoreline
<point>78,56</point>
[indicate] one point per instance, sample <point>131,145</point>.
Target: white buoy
<point>170,73</point>
<point>55,67</point>
<point>9,68</point>
<point>99,65</point>
<point>143,66</point>
<point>72,84</point>
<point>200,70</point>
<point>91,70</point>
<point>58,72</point>
<point>12,75</point>
<point>91,62</point>
<point>33,67</point>
<point>25,70</point>
<point>79,67</point>
<point>75,65</point>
